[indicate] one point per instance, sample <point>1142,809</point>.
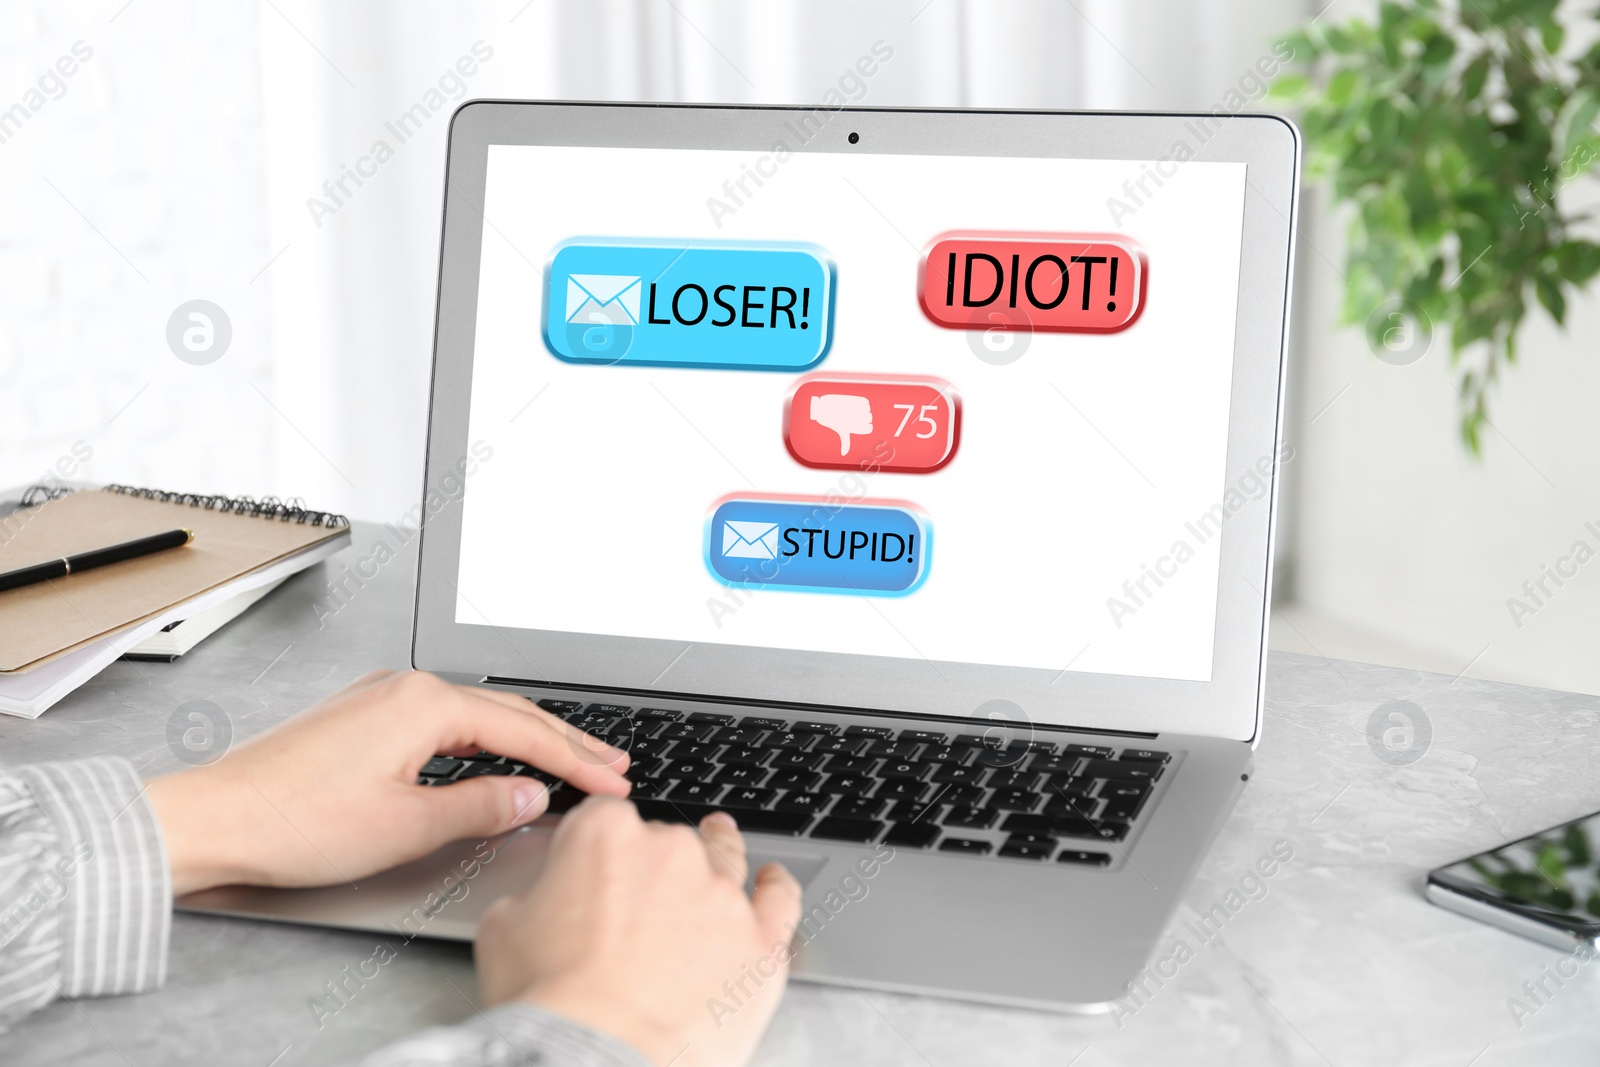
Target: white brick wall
<point>156,142</point>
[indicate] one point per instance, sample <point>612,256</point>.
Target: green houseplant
<point>1450,130</point>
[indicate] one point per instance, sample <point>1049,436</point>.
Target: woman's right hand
<point>643,931</point>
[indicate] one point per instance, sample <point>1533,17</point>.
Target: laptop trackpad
<point>804,868</point>
<point>514,862</point>
<point>442,895</point>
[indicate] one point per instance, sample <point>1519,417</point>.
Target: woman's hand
<point>643,931</point>
<point>332,795</point>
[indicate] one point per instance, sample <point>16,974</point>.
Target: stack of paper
<point>176,638</point>
<point>56,635</point>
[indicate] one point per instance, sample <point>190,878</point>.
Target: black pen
<point>95,557</point>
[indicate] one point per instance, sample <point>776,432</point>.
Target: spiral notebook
<point>57,634</point>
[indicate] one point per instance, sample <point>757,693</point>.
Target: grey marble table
<point>1341,962</point>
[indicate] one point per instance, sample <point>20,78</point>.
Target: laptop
<point>900,481</point>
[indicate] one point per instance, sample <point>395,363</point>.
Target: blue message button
<point>819,544</point>
<point>728,304</point>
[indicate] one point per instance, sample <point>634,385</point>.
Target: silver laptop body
<point>1051,933</point>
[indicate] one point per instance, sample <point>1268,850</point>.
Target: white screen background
<point>1079,464</point>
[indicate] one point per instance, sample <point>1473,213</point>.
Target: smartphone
<point>1545,886</point>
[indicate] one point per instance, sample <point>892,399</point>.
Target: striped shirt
<point>86,911</point>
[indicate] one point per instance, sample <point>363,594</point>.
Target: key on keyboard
<point>834,828</point>
<point>970,845</point>
<point>772,822</point>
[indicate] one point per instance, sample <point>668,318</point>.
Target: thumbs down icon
<point>845,414</point>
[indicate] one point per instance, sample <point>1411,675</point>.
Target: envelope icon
<point>612,298</point>
<point>750,540</point>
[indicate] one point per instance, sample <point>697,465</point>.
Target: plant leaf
<point>1289,87</point>
<point>1548,290</point>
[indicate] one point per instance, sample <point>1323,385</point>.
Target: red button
<point>903,424</point>
<point>1072,282</point>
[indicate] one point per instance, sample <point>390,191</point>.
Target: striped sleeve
<point>512,1035</point>
<point>85,894</point>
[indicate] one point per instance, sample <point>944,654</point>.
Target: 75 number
<point>922,417</point>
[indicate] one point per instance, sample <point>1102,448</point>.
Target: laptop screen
<point>945,408</point>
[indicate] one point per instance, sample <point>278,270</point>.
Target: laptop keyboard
<point>914,788</point>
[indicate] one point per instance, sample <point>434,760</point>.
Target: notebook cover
<point>39,622</point>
